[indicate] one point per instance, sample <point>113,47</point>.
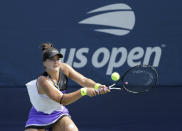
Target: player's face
<point>52,63</point>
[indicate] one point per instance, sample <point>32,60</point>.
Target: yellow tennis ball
<point>115,76</point>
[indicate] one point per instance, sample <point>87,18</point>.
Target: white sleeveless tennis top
<point>42,102</point>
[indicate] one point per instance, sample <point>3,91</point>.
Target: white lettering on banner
<point>113,63</point>
<point>137,55</point>
<point>81,57</point>
<point>70,57</point>
<point>105,59</point>
<point>149,52</point>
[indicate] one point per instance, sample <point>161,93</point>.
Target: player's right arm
<point>45,86</point>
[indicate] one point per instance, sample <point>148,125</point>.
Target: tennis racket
<point>138,79</point>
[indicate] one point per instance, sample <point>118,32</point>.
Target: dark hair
<point>47,45</point>
<point>49,51</point>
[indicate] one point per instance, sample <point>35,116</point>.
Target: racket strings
<point>140,79</point>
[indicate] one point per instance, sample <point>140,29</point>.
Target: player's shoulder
<point>67,69</point>
<point>42,79</point>
<point>65,65</point>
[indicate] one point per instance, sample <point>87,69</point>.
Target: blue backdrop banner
<point>96,37</point>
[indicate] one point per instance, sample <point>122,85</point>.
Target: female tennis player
<point>48,94</point>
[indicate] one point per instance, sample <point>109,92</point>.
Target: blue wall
<point>96,38</point>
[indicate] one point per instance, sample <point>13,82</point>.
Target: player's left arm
<point>82,80</point>
<point>77,77</point>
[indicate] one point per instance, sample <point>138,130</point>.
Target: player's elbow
<point>65,102</point>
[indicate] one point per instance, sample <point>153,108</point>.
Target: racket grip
<point>99,89</point>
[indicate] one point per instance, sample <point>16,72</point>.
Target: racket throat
<point>113,88</point>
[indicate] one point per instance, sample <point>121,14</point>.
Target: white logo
<point>116,19</point>
<point>79,58</point>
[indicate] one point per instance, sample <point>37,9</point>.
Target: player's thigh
<point>34,129</point>
<point>65,124</point>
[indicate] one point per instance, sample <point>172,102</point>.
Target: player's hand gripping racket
<point>138,79</point>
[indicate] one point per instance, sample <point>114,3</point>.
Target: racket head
<point>139,79</point>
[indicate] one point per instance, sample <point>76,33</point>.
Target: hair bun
<point>46,46</point>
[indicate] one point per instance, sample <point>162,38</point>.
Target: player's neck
<point>54,75</point>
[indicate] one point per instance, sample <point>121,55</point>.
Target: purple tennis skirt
<point>40,120</point>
